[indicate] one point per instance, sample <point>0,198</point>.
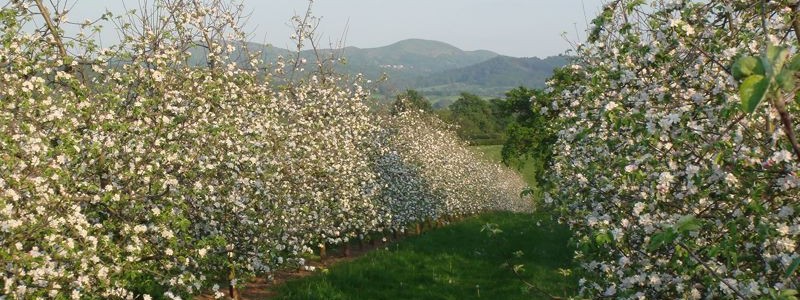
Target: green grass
<point>528,169</point>
<point>455,262</point>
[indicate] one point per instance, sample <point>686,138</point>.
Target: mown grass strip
<point>455,262</point>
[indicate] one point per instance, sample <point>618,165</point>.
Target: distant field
<point>528,170</point>
<point>455,262</point>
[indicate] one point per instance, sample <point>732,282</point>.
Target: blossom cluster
<point>671,189</point>
<point>423,159</point>
<point>135,170</point>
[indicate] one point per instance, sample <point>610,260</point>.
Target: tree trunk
<point>232,290</point>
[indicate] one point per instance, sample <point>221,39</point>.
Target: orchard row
<point>129,172</point>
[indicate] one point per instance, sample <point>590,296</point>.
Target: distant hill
<point>415,56</point>
<point>407,61</point>
<point>436,68</point>
<point>500,71</point>
<point>404,61</point>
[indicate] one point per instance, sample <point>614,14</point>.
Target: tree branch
<point>788,126</point>
<point>51,26</point>
<point>711,271</point>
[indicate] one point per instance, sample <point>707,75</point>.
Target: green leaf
<point>746,66</point>
<point>687,223</point>
<point>756,207</point>
<point>662,238</point>
<point>603,237</point>
<point>752,91</point>
<point>786,80</point>
<point>777,56</point>
<point>714,251</point>
<point>793,267</point>
<point>789,293</point>
<point>633,4</point>
<point>794,63</point>
<point>769,70</point>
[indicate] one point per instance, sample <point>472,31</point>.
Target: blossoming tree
<point>676,164</point>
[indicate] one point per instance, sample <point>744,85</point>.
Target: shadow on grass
<point>455,262</point>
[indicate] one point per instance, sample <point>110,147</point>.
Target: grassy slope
<point>528,170</point>
<point>455,262</point>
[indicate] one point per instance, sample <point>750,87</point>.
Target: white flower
<point>610,291</point>
<point>692,170</point>
<point>664,181</point>
<point>731,179</point>
<point>675,21</point>
<point>638,208</point>
<point>782,156</point>
<point>783,229</point>
<point>157,76</point>
<point>786,211</point>
<point>688,29</point>
<point>696,295</point>
<point>27,86</point>
<point>139,228</point>
<point>12,194</point>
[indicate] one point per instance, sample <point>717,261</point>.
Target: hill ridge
<point>436,68</point>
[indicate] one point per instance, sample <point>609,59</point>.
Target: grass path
<point>455,262</point>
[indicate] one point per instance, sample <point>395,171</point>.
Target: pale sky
<point>510,27</point>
